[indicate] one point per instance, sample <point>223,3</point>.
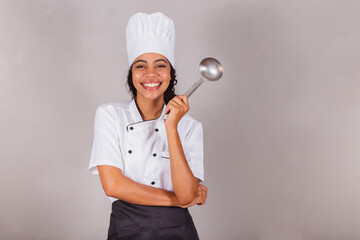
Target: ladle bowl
<point>211,69</point>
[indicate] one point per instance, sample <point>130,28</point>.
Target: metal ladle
<point>210,69</point>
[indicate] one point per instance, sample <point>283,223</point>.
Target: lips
<point>151,85</point>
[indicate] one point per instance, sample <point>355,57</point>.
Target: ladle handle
<point>194,87</point>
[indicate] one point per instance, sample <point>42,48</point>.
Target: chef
<point>150,168</point>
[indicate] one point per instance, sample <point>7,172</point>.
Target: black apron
<point>131,221</point>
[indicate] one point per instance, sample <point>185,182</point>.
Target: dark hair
<point>168,94</point>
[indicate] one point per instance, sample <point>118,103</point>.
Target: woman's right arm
<point>117,185</point>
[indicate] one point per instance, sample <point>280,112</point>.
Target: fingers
<point>171,106</point>
<point>200,198</point>
<point>185,99</point>
<point>181,102</point>
<point>176,109</point>
<point>202,194</point>
<point>182,99</point>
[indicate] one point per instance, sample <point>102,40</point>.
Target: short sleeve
<point>195,151</point>
<point>106,146</point>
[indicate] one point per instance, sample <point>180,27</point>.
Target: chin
<point>153,96</point>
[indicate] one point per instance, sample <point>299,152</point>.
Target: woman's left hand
<point>200,197</point>
<point>176,109</point>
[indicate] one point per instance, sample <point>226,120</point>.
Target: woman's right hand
<point>200,197</point>
<point>176,108</point>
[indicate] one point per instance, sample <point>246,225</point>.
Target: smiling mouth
<point>151,85</point>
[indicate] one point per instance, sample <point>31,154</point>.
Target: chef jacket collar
<point>135,113</point>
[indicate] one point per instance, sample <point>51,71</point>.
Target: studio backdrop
<point>281,127</point>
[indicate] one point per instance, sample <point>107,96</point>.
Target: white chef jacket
<point>139,148</point>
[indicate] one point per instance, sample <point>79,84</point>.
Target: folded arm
<point>117,185</point>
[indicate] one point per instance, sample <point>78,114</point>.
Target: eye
<point>140,66</point>
<point>161,66</point>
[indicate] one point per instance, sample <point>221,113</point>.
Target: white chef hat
<point>150,33</point>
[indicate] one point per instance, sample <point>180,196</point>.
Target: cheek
<point>167,77</point>
<point>135,78</point>
<point>167,81</point>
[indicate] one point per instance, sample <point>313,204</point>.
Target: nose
<point>151,72</point>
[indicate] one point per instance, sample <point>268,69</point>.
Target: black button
<point>130,151</point>
<point>152,183</point>
<point>156,130</point>
<point>154,155</point>
<point>131,128</point>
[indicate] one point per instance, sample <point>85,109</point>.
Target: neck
<point>149,109</point>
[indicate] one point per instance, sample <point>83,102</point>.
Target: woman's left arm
<point>184,182</point>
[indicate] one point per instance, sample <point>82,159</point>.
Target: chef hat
<point>150,33</point>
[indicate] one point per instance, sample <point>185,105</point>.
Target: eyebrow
<point>158,60</point>
<point>140,61</point>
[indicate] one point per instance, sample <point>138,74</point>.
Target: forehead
<point>150,57</point>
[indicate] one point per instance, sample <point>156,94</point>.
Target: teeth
<point>151,84</point>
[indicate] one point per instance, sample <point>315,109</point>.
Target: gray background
<point>282,128</point>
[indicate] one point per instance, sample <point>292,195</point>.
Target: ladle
<point>210,69</point>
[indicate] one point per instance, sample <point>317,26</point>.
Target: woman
<point>151,169</point>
